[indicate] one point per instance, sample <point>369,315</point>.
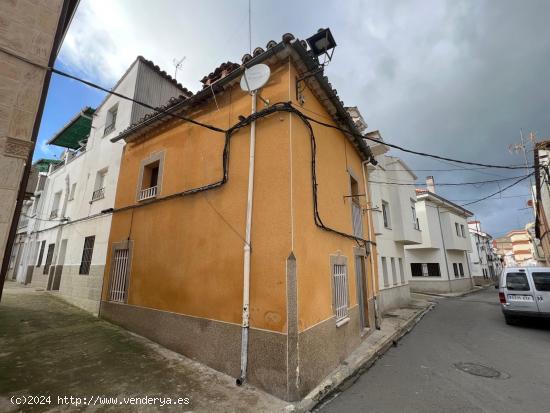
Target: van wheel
<point>510,320</point>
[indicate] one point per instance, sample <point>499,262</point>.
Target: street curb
<point>345,375</point>
<point>464,294</point>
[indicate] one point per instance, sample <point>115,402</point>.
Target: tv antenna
<point>177,66</point>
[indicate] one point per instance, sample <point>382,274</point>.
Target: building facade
<point>483,260</point>
<point>392,199</point>
<point>177,261</point>
<point>542,202</point>
<point>440,263</point>
<point>66,243</point>
<point>30,39</point>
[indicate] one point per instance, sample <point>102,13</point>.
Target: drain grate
<point>477,369</point>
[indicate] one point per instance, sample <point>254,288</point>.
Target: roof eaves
<point>427,194</point>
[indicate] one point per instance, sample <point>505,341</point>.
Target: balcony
<point>148,193</point>
<point>98,194</point>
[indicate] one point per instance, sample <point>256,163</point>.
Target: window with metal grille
<point>394,271</point>
<point>461,269</point>
<point>386,214</point>
<point>455,269</point>
<point>49,257</point>
<point>118,289</point>
<point>340,291</point>
<point>41,254</point>
<point>385,272</point>
<point>87,253</point>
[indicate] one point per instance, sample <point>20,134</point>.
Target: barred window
<point>87,253</point>
<point>340,291</point>
<point>49,257</point>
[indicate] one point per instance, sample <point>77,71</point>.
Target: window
<point>433,270</point>
<point>87,253</point>
<point>386,214</point>
<point>35,204</point>
<point>385,272</point>
<point>356,212</point>
<point>416,224</point>
<point>73,190</point>
<point>542,281</point>
<point>457,228</point>
<point>455,269</point>
<point>340,291</point>
<point>394,271</point>
<point>461,269</point>
<point>462,231</point>
<point>416,270</point>
<point>118,283</point>
<point>99,186</point>
<point>49,257</point>
<point>41,254</point>
<point>149,183</point>
<point>55,206</point>
<point>110,122</point>
<point>517,281</point>
<point>401,272</point>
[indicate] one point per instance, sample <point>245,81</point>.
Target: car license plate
<point>515,297</point>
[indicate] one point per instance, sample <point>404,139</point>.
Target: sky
<point>450,77</point>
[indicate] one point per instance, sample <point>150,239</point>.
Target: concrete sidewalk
<point>395,325</point>
<point>50,347</point>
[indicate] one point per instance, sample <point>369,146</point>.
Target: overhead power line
<point>500,191</point>
<point>216,129</point>
<point>450,183</point>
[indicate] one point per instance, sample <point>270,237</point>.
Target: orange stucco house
<point>175,268</point>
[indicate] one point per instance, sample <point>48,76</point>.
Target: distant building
<point>542,192</point>
<point>395,223</point>
<point>440,264</point>
<point>63,233</point>
<point>521,247</point>
<point>484,261</point>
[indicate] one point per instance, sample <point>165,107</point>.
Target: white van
<point>525,292</point>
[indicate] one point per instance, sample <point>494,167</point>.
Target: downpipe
<point>247,251</point>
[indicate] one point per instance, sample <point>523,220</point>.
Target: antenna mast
<point>177,66</point>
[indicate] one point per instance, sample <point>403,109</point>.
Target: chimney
<point>430,184</point>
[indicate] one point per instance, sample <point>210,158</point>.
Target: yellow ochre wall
<point>313,246</point>
<point>188,251</point>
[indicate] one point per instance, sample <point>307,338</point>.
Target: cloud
<point>452,77</point>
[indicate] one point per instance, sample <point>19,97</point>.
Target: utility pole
<point>521,147</point>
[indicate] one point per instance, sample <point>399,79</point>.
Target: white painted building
<point>66,246</point>
<point>393,201</point>
<point>483,260</point>
<point>440,264</point>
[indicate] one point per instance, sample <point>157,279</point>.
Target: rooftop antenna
<point>177,66</point>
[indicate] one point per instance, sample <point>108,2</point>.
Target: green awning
<point>44,164</point>
<point>75,131</point>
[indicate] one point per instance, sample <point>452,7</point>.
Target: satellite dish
<point>255,77</point>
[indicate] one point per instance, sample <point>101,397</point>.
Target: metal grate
<point>340,292</point>
<point>148,193</point>
<point>87,253</point>
<point>119,276</point>
<point>357,220</point>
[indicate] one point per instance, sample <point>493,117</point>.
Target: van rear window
<point>517,281</point>
<point>542,281</point>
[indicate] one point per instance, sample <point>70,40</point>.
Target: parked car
<point>525,292</point>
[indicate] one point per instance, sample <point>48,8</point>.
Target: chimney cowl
<point>430,184</point>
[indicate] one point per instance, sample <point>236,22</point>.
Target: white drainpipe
<point>371,260</point>
<point>247,251</point>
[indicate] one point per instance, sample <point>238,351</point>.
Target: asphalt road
<point>419,375</point>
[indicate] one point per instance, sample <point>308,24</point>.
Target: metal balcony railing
<point>148,193</point>
<point>98,194</point>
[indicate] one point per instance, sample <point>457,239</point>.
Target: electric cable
<point>500,191</point>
